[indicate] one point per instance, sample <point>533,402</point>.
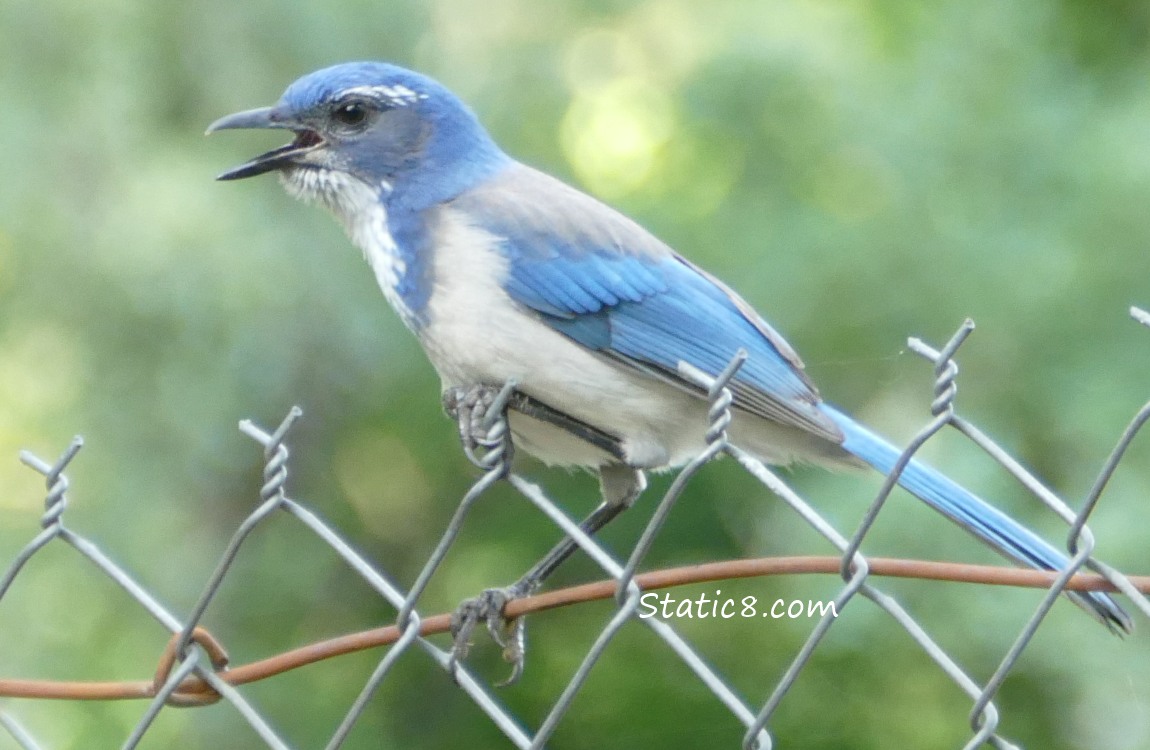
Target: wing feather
<point>599,278</point>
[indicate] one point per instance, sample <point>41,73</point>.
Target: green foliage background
<point>861,171</point>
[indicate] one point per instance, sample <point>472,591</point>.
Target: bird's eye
<point>351,114</point>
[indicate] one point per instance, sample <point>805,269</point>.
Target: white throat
<point>363,214</point>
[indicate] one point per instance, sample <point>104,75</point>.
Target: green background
<point>860,171</point>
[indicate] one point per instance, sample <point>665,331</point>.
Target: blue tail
<point>986,522</point>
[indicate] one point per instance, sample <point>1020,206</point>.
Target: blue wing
<point>602,280</point>
<point>611,286</point>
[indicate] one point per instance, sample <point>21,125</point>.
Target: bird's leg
<point>621,485</point>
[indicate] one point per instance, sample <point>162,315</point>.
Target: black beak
<point>267,117</point>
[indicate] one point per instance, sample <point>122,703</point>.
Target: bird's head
<point>370,124</point>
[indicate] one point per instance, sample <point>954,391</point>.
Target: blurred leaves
<point>861,171</point>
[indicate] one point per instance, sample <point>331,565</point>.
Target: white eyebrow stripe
<point>397,93</point>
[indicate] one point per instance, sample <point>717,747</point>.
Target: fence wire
<point>193,669</point>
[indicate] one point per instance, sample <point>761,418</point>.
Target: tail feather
<point>986,522</point>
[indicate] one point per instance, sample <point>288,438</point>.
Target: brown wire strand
<point>195,692</point>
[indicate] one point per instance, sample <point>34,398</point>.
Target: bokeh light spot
<point>385,484</point>
<point>612,135</point>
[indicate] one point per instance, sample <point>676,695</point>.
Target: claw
<point>469,406</point>
<point>508,634</point>
<point>477,410</point>
<point>452,399</point>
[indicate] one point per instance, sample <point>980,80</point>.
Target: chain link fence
<point>194,671</point>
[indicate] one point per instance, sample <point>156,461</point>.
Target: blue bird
<point>504,272</point>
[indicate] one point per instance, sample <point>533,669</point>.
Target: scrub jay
<point>505,273</point>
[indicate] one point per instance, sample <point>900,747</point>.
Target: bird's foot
<point>470,406</point>
<point>488,609</point>
<point>476,409</point>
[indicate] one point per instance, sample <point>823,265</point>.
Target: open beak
<point>306,140</point>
